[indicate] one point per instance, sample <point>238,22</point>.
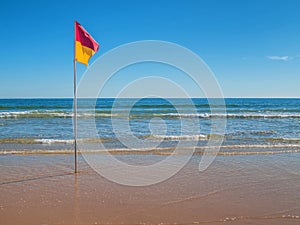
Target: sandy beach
<point>42,189</point>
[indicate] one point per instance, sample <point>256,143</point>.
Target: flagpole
<point>75,103</point>
<point>84,40</point>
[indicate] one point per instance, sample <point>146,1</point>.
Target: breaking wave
<point>108,113</point>
<point>241,116</point>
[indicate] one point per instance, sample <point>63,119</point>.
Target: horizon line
<point>260,97</point>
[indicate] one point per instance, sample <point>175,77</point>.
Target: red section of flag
<point>85,38</point>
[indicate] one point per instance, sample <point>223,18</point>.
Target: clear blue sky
<point>253,47</point>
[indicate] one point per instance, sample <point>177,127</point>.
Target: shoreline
<point>199,150</point>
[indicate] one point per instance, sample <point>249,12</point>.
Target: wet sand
<point>240,189</point>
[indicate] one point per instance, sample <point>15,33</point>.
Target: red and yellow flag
<point>85,45</point>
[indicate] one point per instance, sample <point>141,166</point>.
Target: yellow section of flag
<point>82,53</point>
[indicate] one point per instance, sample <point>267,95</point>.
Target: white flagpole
<point>75,103</point>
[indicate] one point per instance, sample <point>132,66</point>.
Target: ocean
<point>253,126</point>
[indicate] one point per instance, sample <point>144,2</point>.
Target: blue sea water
<point>48,123</point>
